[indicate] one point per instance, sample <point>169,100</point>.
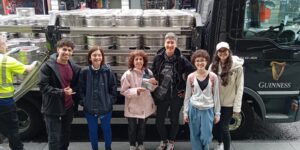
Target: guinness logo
<point>277,69</point>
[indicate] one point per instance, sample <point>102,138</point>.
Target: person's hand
<point>186,119</point>
<point>181,94</point>
<point>68,91</point>
<point>153,81</point>
<point>216,119</point>
<point>140,90</point>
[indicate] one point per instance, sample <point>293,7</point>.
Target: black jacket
<point>98,90</point>
<point>181,65</point>
<point>51,87</point>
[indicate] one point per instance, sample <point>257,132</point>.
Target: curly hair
<point>92,50</point>
<point>225,68</point>
<point>134,54</point>
<point>201,53</point>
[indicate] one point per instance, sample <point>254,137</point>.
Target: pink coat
<point>136,106</point>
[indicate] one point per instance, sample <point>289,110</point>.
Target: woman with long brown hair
<point>230,72</point>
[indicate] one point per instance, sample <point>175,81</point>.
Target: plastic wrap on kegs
<point>27,54</point>
<point>105,41</point>
<point>153,42</point>
<point>99,20</point>
<point>125,42</point>
<point>178,18</point>
<point>183,42</point>
<point>79,40</point>
<point>129,18</point>
<point>39,42</point>
<point>72,19</point>
<point>21,41</point>
<point>154,18</point>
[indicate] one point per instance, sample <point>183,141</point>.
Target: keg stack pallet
<point>117,31</point>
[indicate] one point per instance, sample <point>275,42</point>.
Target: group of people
<point>210,94</point>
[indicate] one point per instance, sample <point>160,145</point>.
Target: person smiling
<point>230,72</point>
<point>170,68</point>
<point>201,103</point>
<point>139,104</point>
<point>59,87</point>
<point>98,88</point>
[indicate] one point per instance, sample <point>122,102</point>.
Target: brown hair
<point>92,50</point>
<point>225,68</point>
<point>135,53</point>
<point>65,42</point>
<point>201,53</point>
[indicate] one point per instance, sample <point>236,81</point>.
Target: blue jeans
<point>201,124</point>
<point>59,129</point>
<point>9,127</point>
<point>93,129</point>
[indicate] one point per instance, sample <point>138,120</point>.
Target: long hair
<point>225,68</point>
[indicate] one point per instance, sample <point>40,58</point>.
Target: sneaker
<point>161,146</point>
<point>170,146</point>
<point>220,147</point>
<point>141,147</point>
<point>132,148</point>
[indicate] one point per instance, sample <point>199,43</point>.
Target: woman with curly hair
<point>136,84</point>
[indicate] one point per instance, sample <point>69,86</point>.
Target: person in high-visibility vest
<point>8,112</point>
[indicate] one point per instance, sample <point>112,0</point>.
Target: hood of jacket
<point>237,62</point>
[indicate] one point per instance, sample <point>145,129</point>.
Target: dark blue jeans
<point>93,129</point>
<point>9,127</point>
<point>59,129</point>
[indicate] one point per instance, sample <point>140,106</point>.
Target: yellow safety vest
<point>8,66</point>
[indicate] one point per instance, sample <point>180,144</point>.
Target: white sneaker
<point>220,147</point>
<point>170,146</point>
<point>132,148</point>
<point>161,146</point>
<point>141,147</point>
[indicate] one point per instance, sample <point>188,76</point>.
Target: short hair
<point>171,35</point>
<point>135,53</point>
<point>92,50</point>
<point>65,42</point>
<point>201,53</point>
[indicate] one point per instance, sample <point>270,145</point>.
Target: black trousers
<point>59,130</point>
<point>136,131</point>
<point>222,128</point>
<point>173,102</point>
<point>9,126</point>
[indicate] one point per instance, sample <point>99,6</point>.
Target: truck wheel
<point>30,120</point>
<point>241,125</point>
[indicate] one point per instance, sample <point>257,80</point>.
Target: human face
<point>64,54</point>
<point>96,58</point>
<point>223,54</point>
<point>200,63</point>
<point>170,45</point>
<point>138,62</point>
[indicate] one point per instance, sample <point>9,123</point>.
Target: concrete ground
<point>236,145</point>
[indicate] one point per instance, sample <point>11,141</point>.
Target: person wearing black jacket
<point>98,87</point>
<point>58,84</point>
<point>170,68</point>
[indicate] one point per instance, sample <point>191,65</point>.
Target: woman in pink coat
<point>136,85</point>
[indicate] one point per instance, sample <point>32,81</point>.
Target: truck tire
<point>241,125</point>
<point>30,121</point>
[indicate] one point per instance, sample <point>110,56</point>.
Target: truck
<point>264,33</point>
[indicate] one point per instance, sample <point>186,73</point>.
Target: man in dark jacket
<point>59,79</point>
<point>170,69</point>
